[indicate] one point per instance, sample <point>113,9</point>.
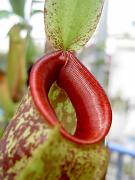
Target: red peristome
<point>92,107</point>
<point>42,75</point>
<point>89,99</point>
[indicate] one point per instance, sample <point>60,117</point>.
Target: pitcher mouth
<point>91,104</point>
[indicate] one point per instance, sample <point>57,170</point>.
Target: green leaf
<point>37,1</point>
<point>18,7</point>
<point>5,14</point>
<point>36,12</point>
<point>71,23</point>
<point>31,50</point>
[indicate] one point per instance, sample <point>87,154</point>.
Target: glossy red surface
<point>42,75</point>
<point>92,107</point>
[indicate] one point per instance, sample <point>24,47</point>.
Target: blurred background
<point>109,55</point>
